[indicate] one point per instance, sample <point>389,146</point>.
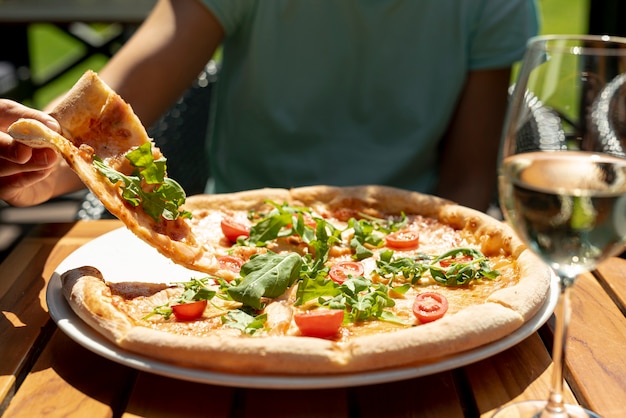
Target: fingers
<point>16,158</point>
<point>22,180</point>
<point>24,170</point>
<point>11,111</point>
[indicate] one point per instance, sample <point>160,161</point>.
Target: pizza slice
<point>104,142</point>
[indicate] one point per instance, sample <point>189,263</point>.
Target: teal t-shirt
<point>349,92</point>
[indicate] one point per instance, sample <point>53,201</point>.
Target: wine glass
<point>562,173</point>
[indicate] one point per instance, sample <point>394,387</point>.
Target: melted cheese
<point>435,239</point>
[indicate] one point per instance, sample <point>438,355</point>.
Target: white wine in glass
<point>562,173</point>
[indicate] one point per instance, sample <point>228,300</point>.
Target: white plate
<point>120,255</point>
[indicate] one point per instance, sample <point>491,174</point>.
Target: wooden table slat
<point>429,396</point>
<point>259,403</point>
<point>612,275</point>
<point>22,314</point>
<point>56,387</point>
<point>596,348</point>
<point>14,264</point>
<point>505,377</point>
<point>152,397</point>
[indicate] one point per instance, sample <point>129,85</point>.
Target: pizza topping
<point>343,270</point>
<point>403,240</point>
<point>279,315</point>
<point>233,230</point>
<point>448,262</point>
<point>320,323</point>
<point>460,266</point>
<point>159,196</point>
<point>266,317</point>
<point>283,221</point>
<point>430,306</point>
<point>359,297</point>
<point>459,271</point>
<point>265,275</point>
<point>289,247</point>
<point>244,321</point>
<point>189,311</point>
<point>230,262</point>
<point>195,290</point>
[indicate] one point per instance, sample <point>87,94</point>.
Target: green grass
<point>564,16</point>
<point>52,48</point>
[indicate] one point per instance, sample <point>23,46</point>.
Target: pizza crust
<point>90,298</point>
<point>377,197</point>
<point>529,294</point>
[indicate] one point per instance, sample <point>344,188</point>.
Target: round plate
<point>119,255</point>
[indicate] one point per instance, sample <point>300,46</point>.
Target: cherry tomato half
<point>447,262</point>
<point>341,271</point>
<point>320,323</point>
<point>189,311</point>
<point>232,229</point>
<point>430,306</point>
<point>403,240</point>
<point>230,262</point>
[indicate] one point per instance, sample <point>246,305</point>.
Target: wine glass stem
<point>555,405</point>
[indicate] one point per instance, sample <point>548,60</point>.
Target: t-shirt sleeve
<point>501,31</point>
<point>229,13</point>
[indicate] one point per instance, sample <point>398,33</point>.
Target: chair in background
<point>607,117</point>
<point>542,129</point>
<point>181,134</point>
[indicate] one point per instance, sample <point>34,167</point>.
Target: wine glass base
<point>536,409</point>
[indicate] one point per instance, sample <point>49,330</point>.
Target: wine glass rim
<point>575,43</point>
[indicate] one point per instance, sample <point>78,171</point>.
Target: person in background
<point>409,94</point>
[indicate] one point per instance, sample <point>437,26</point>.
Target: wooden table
<point>44,372</point>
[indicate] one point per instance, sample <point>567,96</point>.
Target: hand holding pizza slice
<point>106,145</point>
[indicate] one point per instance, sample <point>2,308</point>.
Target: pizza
<point>310,280</point>
<point>324,280</point>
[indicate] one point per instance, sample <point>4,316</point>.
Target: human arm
<point>163,57</point>
<point>469,150</point>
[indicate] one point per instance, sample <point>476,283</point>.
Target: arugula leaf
<point>409,268</point>
<point>283,221</point>
<point>315,288</point>
<point>165,198</point>
<point>268,229</point>
<point>362,300</point>
<point>363,234</point>
<point>153,171</point>
<point>266,275</point>
<point>243,321</point>
<point>460,273</point>
<point>301,228</point>
<point>457,274</point>
<point>386,226</point>
<point>389,316</point>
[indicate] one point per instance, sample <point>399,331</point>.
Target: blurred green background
<point>51,48</point>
